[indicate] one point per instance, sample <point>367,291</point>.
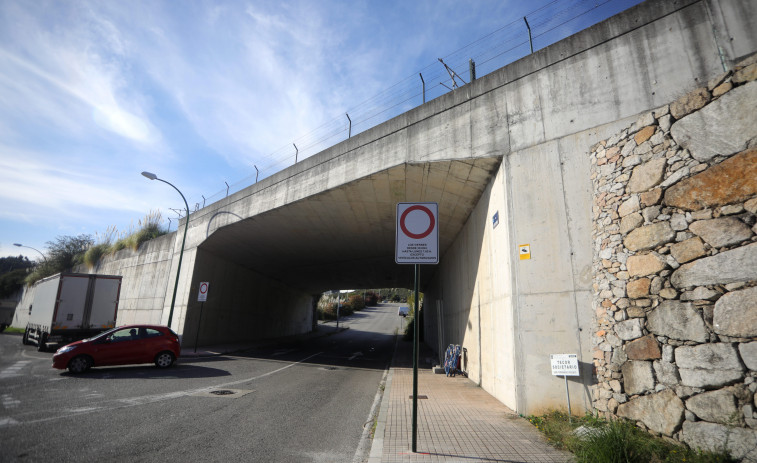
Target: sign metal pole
<point>416,323</point>
<point>417,243</point>
<point>565,365</point>
<point>202,296</point>
<point>199,322</point>
<point>567,396</point>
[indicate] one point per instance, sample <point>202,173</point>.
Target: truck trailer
<point>6,317</point>
<point>68,307</point>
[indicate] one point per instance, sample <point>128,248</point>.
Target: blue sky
<point>94,92</point>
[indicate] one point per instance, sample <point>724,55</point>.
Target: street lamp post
<point>152,176</point>
<point>22,246</point>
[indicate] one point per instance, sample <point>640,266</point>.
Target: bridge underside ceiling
<point>345,237</point>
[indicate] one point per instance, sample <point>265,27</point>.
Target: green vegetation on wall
<point>66,252</point>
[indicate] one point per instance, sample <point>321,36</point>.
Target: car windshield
<point>101,335</point>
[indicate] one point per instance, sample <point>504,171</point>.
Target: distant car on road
<point>403,311</point>
<point>131,344</point>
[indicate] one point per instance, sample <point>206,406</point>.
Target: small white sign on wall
<point>564,364</point>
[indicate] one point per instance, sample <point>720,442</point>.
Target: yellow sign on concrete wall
<point>525,251</point>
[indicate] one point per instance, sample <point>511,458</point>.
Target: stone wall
<point>675,268</point>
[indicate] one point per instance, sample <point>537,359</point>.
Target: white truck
<point>72,306</point>
<point>6,317</point>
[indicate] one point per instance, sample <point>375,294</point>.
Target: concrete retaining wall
<point>145,286</point>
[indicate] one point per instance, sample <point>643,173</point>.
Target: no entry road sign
<point>202,295</point>
<point>417,233</point>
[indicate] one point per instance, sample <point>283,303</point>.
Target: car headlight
<point>65,349</point>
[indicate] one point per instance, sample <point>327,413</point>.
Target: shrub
<point>93,254</point>
<point>354,302</point>
<point>410,326</point>
<point>615,441</point>
<point>119,245</point>
<point>328,311</point>
<point>371,298</point>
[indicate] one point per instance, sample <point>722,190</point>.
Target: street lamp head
<point>17,244</point>
<point>150,175</point>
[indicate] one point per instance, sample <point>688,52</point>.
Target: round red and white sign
<point>417,240</point>
<point>404,221</point>
<point>202,296</point>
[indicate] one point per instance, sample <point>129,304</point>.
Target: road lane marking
<point>148,399</point>
<point>14,370</point>
<point>8,401</point>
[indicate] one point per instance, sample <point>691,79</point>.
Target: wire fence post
<point>530,40</point>
<point>494,41</point>
<point>424,87</point>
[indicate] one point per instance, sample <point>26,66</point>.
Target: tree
<point>10,263</point>
<point>68,251</point>
<point>13,271</point>
<point>63,255</point>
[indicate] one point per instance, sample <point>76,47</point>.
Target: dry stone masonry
<point>675,268</point>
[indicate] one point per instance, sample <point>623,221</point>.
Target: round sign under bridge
<point>417,231</point>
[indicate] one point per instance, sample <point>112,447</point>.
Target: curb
<point>377,447</point>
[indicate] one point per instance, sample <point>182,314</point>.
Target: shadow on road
<point>177,371</point>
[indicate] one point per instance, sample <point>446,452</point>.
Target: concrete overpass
<point>514,143</point>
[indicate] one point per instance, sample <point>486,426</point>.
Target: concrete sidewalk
<point>457,422</point>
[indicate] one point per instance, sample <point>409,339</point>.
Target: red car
<point>124,345</point>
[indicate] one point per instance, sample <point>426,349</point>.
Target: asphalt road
<point>296,402</point>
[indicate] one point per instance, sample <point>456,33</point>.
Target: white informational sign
<point>564,364</point>
<point>202,296</point>
<point>417,233</point>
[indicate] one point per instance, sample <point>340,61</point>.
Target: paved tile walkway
<point>458,422</point>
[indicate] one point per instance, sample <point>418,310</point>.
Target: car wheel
<point>79,364</point>
<point>42,345</point>
<point>164,359</point>
<point>25,338</point>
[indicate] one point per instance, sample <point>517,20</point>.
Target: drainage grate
<point>224,393</point>
<point>419,397</point>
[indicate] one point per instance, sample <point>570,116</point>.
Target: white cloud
<point>62,76</point>
<point>32,186</point>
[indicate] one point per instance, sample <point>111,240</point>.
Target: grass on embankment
<point>616,441</point>
<point>11,329</point>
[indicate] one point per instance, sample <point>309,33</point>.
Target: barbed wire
<point>549,24</point>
